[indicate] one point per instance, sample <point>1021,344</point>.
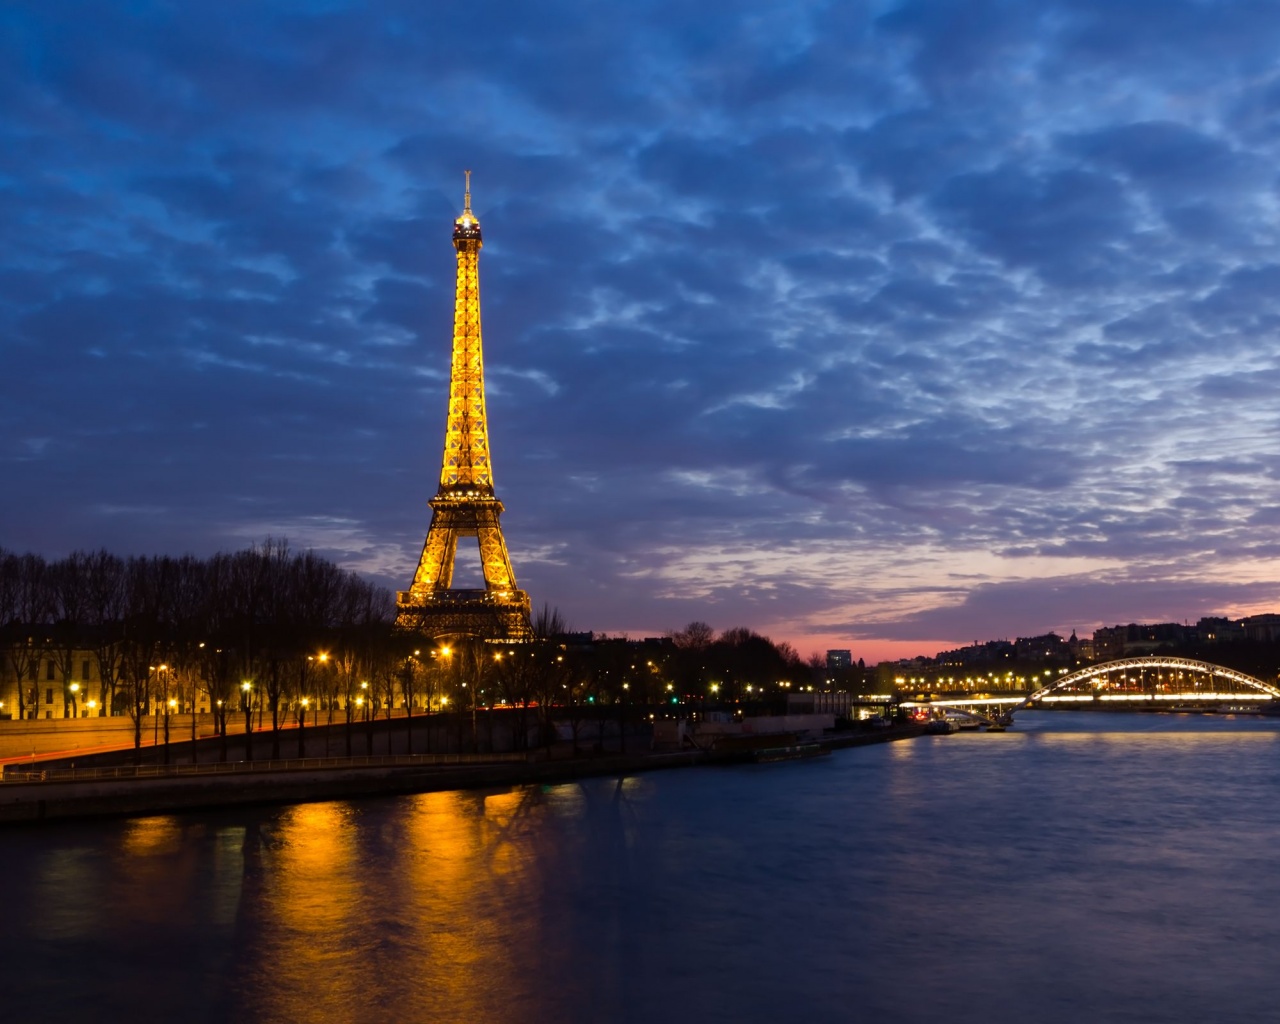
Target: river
<point>1081,867</point>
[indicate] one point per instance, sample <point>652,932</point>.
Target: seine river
<point>1078,868</point>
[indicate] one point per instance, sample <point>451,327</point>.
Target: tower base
<point>487,614</point>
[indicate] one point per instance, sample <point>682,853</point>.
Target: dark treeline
<point>163,630</point>
<point>273,633</point>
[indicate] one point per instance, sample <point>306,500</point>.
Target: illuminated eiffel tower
<point>465,505</point>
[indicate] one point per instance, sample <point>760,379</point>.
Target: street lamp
<point>155,703</point>
<point>246,705</point>
<point>168,710</point>
<point>364,702</point>
<point>324,660</point>
<point>302,724</point>
<point>622,720</point>
<point>445,652</point>
<point>75,689</point>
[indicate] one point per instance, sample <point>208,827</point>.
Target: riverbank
<point>47,794</point>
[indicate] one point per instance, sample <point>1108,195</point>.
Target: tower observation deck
<point>465,504</point>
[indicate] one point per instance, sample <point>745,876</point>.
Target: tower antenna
<point>466,202</point>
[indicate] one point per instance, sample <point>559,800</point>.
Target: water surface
<point>1080,867</point>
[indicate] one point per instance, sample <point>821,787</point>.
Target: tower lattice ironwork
<point>465,505</point>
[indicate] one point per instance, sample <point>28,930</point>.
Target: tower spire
<point>465,504</point>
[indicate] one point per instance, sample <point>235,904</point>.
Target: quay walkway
<point>59,793</point>
<point>31,793</point>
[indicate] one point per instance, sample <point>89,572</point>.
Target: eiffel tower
<point>465,505</point>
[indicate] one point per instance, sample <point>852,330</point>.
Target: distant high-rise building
<point>839,659</point>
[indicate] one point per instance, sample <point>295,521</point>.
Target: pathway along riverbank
<point>35,794</point>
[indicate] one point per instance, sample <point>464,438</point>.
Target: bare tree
<point>10,631</point>
<point>69,592</point>
<point>104,582</point>
<point>27,642</point>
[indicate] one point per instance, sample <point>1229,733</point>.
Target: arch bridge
<point>1176,680</point>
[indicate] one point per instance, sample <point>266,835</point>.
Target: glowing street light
<point>168,710</point>
<point>302,725</point>
<point>246,705</point>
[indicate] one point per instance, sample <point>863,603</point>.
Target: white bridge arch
<point>1154,661</point>
<point>1000,710</point>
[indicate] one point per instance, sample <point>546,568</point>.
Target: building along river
<point>1079,867</point>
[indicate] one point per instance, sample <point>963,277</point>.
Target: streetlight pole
<point>170,704</point>
<point>622,721</point>
<point>324,689</point>
<point>155,711</point>
<point>447,654</point>
<point>194,757</point>
<point>363,701</point>
<point>246,705</point>
<point>407,690</point>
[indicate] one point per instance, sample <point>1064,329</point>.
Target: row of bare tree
<point>268,630</point>
<point>162,629</point>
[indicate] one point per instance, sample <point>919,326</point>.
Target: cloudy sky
<point>890,326</point>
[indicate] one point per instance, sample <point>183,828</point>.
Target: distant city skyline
<point>880,326</point>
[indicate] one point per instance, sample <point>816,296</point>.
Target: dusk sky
<point>890,326</point>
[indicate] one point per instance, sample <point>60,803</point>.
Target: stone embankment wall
<point>77,798</point>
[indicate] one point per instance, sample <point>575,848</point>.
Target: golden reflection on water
<point>161,868</point>
<point>149,875</point>
<point>310,888</point>
<point>149,837</point>
<point>469,869</point>
<point>461,874</point>
<point>313,887</point>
